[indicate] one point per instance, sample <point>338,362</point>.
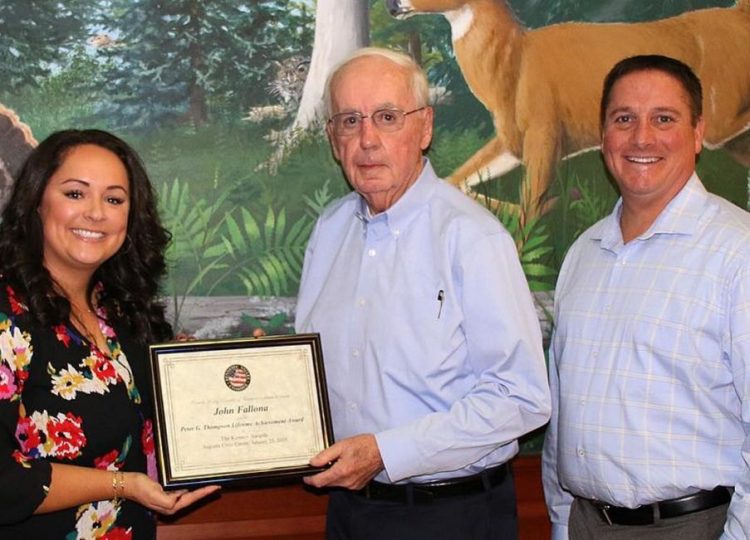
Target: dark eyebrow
<point>656,110</point>
<point>670,110</point>
<point>87,184</point>
<point>619,110</point>
<point>115,187</point>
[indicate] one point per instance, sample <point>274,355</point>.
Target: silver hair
<point>419,85</point>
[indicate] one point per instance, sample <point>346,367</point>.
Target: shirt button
<point>362,302</point>
<point>581,452</point>
<point>353,406</point>
<point>371,252</point>
<point>396,232</point>
<point>355,353</point>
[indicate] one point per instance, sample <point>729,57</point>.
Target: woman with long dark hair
<point>81,257</point>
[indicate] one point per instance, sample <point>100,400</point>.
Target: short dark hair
<point>130,277</point>
<point>680,71</point>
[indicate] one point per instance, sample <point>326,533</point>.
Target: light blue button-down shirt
<point>429,333</point>
<point>650,362</point>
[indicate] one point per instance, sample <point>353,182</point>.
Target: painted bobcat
<point>289,81</point>
<point>286,86</point>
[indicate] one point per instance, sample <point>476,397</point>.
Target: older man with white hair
<point>432,347</point>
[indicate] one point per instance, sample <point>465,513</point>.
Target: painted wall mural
<point>542,86</point>
<point>222,99</point>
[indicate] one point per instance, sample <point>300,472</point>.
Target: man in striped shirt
<point>650,360</point>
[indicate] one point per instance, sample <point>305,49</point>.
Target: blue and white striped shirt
<point>650,362</point>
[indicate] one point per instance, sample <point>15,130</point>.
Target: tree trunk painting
<point>341,27</point>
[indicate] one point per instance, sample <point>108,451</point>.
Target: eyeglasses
<point>386,120</point>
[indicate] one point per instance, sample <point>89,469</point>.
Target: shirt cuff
<point>399,455</point>
<point>559,532</point>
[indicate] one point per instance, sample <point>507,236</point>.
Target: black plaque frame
<point>243,352</point>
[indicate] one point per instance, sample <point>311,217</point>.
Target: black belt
<point>426,493</point>
<point>650,513</point>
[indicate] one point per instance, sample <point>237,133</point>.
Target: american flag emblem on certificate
<point>237,377</point>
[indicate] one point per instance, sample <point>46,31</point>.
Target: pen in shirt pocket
<point>440,298</point>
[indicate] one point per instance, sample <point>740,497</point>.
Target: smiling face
<point>84,211</point>
<point>380,166</point>
<point>649,141</point>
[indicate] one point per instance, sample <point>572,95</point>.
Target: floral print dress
<point>63,400</point>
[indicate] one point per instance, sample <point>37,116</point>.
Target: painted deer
<point>543,86</point>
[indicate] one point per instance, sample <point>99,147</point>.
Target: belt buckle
<point>604,510</point>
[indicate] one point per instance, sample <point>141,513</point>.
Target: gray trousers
<point>586,523</point>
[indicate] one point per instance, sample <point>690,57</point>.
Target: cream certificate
<point>238,410</point>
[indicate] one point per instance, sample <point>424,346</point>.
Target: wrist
<point>118,485</point>
<point>129,480</point>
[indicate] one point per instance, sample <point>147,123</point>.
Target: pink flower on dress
<point>27,435</point>
<point>147,437</point>
<point>8,388</point>
<point>106,329</point>
<point>147,441</point>
<point>16,349</point>
<point>66,434</point>
<point>107,461</point>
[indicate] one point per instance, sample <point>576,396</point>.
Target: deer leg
<point>541,150</point>
<point>739,148</point>
<point>490,161</point>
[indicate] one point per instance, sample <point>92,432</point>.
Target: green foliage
<point>195,225</point>
<point>317,203</point>
<point>580,195</point>
<point>532,242</point>
<point>584,202</point>
<point>451,148</point>
<point>266,257</point>
<point>57,102</point>
<point>308,167</point>
<point>226,151</point>
<point>537,13</point>
<point>723,176</point>
<point>216,245</point>
<point>176,54</point>
<point>531,238</point>
<point>35,36</point>
<point>532,443</point>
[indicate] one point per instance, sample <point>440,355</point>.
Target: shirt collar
<point>398,216</point>
<point>680,216</point>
